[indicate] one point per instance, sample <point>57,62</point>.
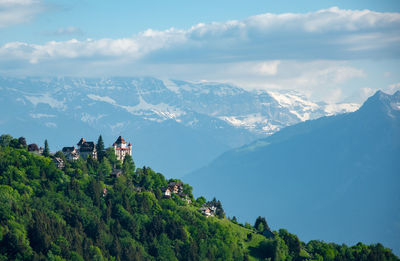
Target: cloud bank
<point>326,34</point>
<point>14,12</point>
<point>307,51</point>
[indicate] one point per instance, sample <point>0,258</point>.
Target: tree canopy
<point>83,213</point>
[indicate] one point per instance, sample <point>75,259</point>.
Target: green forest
<point>82,212</point>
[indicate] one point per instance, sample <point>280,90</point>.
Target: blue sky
<point>329,50</point>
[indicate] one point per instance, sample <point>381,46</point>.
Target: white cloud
<point>70,30</point>
<point>311,52</point>
<point>330,75</point>
<point>392,88</point>
<point>268,68</point>
<point>326,34</point>
<point>18,11</point>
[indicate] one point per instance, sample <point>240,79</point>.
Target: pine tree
<point>46,151</point>
<point>261,224</point>
<point>128,166</point>
<point>22,141</point>
<point>100,149</point>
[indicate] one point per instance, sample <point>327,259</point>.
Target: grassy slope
<point>241,233</point>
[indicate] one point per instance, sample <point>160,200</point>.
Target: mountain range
<point>335,178</point>
<point>176,126</point>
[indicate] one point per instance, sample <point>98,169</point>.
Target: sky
<point>332,51</point>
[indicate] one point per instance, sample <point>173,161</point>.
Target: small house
<point>70,153</point>
<point>208,211</point>
<point>59,163</point>
<point>176,187</point>
<point>167,192</point>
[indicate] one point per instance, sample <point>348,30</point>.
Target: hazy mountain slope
<point>335,178</point>
<point>176,126</point>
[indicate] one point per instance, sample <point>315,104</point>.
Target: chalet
<point>59,162</point>
<point>176,187</point>
<point>166,192</point>
<point>70,153</point>
<point>173,188</point>
<point>122,149</point>
<point>87,148</point>
<point>208,211</point>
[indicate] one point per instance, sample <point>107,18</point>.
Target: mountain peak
<point>382,101</point>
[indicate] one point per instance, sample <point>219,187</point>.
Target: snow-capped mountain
<point>176,125</point>
<point>338,176</point>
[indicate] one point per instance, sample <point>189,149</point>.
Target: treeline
<point>80,212</point>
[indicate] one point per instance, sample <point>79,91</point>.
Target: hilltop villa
<point>89,148</point>
<point>122,149</point>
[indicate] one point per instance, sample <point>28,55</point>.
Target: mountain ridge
<point>335,170</point>
<point>186,117</point>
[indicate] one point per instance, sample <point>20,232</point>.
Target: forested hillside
<point>321,178</point>
<point>80,212</point>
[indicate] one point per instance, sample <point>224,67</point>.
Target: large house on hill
<point>122,148</point>
<point>89,148</point>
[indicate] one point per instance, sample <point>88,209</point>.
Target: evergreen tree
<point>100,149</point>
<point>46,151</point>
<point>22,141</point>
<point>71,214</point>
<point>128,166</point>
<point>261,224</point>
<point>5,139</point>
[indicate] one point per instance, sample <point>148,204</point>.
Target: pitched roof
<point>173,183</point>
<point>68,149</point>
<point>88,146</point>
<point>81,142</point>
<point>120,140</point>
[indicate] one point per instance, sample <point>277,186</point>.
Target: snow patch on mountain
<point>171,86</point>
<point>252,122</point>
<point>395,106</point>
<point>291,100</point>
<point>162,110</point>
<point>50,125</point>
<point>47,99</point>
<point>248,121</point>
<point>307,110</point>
<point>296,104</point>
<point>41,115</point>
<point>86,117</point>
<point>332,109</point>
<point>101,98</point>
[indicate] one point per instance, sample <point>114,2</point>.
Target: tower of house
<point>81,141</point>
<point>122,148</point>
